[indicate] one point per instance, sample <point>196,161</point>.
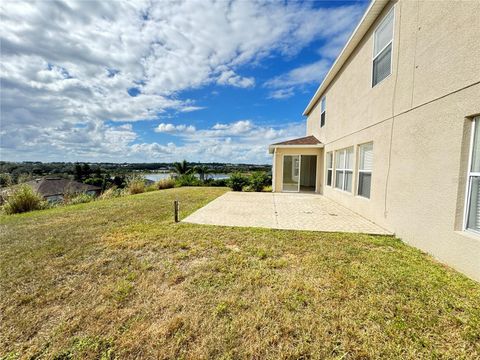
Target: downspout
<point>394,95</point>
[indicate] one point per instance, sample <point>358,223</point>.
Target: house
<point>54,189</point>
<point>393,131</point>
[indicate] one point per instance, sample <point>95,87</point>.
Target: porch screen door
<point>291,172</point>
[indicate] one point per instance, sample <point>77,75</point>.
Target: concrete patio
<point>283,211</point>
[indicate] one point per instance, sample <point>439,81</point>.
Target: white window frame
<point>323,110</point>
<point>383,49</point>
<point>299,172</point>
<point>343,169</point>
<point>329,168</point>
<point>470,174</point>
<point>359,171</point>
<point>296,168</point>
<point>299,167</point>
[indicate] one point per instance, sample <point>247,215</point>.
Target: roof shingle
<point>50,186</point>
<point>307,140</point>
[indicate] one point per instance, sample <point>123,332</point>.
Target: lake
<point>162,176</point>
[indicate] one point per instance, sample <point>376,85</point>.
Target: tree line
<point>109,174</point>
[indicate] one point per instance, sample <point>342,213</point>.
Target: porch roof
<point>306,141</point>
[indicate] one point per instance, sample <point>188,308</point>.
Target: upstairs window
<point>472,221</point>
<point>323,111</point>
<point>329,168</point>
<point>344,169</point>
<point>382,49</point>
<point>365,165</point>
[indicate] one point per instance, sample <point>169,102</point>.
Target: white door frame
<point>299,171</point>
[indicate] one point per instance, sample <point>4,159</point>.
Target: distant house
<point>393,131</point>
<point>148,182</point>
<point>53,189</point>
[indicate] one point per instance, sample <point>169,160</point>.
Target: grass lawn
<point>118,279</point>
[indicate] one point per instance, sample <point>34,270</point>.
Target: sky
<point>161,81</point>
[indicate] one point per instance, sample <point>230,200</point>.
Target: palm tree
<point>201,170</point>
<point>181,168</point>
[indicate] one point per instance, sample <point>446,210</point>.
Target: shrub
<point>113,192</point>
<point>268,188</point>
<point>6,179</point>
<point>80,199</point>
<point>187,180</point>
<point>165,184</point>
<point>237,181</point>
<point>216,182</point>
<point>248,188</point>
<point>259,180</point>
<point>135,184</point>
<point>96,181</point>
<point>24,199</point>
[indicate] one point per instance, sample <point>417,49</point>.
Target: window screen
<point>365,166</point>
<point>383,34</point>
<point>473,196</point>
<point>382,49</point>
<point>323,109</point>
<point>329,168</point>
<point>344,169</point>
<point>382,65</point>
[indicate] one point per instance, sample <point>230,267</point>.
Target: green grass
<point>118,279</point>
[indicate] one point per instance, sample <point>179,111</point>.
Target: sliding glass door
<point>291,173</point>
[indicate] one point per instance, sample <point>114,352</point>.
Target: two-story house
<point>393,131</point>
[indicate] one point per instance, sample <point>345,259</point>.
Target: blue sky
<point>162,81</point>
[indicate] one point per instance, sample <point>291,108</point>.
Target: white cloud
<point>69,69</point>
<point>228,77</point>
<point>334,30</point>
<point>310,73</point>
<point>191,108</point>
<point>236,128</point>
<point>282,93</point>
<point>170,128</point>
<point>68,142</point>
<point>154,150</point>
<point>239,141</point>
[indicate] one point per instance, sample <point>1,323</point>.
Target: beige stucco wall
<point>278,164</point>
<point>418,120</point>
<point>436,52</point>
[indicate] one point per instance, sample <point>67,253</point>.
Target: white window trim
<point>363,172</point>
<point>343,170</point>
<point>381,51</point>
<point>329,168</point>
<point>299,172</point>
<point>296,169</point>
<point>470,175</point>
<point>324,111</point>
<point>283,164</point>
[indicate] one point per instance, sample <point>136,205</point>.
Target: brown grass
<point>165,184</point>
<point>118,279</point>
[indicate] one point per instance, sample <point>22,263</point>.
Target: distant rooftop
<point>50,186</point>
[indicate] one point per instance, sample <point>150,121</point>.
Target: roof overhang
<point>372,13</point>
<point>271,148</point>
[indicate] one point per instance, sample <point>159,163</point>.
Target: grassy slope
<point>118,278</point>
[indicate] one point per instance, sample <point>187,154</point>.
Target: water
<point>162,176</point>
<point>157,177</point>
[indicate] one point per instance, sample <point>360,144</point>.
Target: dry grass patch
<point>118,279</point>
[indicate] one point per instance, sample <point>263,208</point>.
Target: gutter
<point>272,148</point>
<point>371,14</point>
